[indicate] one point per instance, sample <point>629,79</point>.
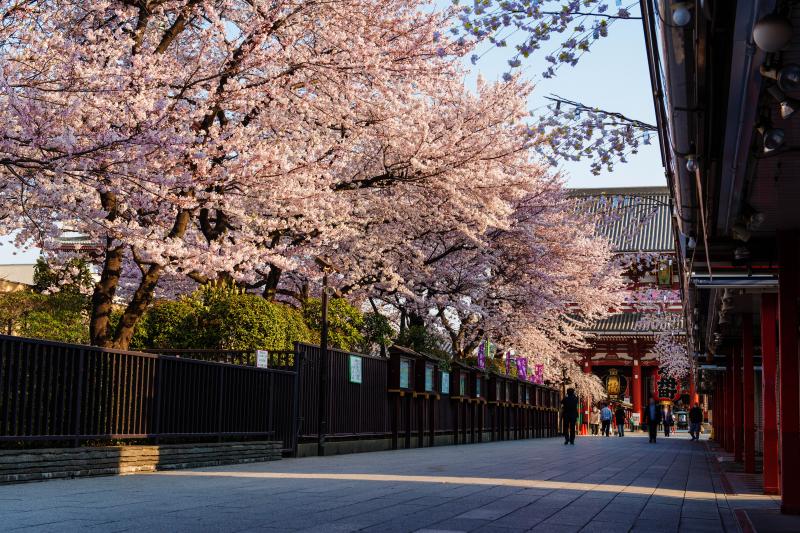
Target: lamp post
<point>322,408</point>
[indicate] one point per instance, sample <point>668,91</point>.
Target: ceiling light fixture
<point>740,232</point>
<point>788,105</point>
<point>772,33</point>
<point>788,76</point>
<point>773,138</point>
<point>681,16</point>
<point>691,163</point>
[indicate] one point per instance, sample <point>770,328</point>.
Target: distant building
<point>15,278</point>
<point>638,222</point>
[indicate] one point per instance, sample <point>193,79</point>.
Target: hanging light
<point>691,163</point>
<point>788,105</point>
<point>788,76</point>
<point>773,138</point>
<point>681,16</point>
<point>772,33</point>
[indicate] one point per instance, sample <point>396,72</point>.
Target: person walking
<point>594,420</point>
<point>695,421</point>
<point>652,417</point>
<point>569,416</point>
<point>669,421</point>
<point>619,416</point>
<point>605,418</point>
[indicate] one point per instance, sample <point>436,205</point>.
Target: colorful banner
<point>522,368</point>
<point>482,355</point>
<point>539,375</point>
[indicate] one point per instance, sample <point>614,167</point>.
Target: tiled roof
<point>635,219</point>
<point>622,323</point>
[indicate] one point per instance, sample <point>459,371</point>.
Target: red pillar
<point>788,291</point>
<point>729,406</point>
<point>723,413</point>
<point>748,408</point>
<point>692,393</point>
<point>636,387</point>
<point>769,305</point>
<point>738,418</point>
<point>716,399</point>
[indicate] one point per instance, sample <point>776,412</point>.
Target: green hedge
<point>221,319</point>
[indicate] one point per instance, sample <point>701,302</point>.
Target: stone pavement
<point>600,484</point>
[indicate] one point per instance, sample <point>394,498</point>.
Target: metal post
<point>322,427</point>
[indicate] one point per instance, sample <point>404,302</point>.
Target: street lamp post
<point>322,411</point>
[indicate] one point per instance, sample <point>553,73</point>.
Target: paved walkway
<point>600,484</point>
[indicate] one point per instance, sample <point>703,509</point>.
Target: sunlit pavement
<point>600,484</point>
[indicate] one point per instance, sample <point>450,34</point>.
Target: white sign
<point>405,370</point>
<point>635,419</point>
<point>428,377</point>
<point>445,382</point>
<point>262,358</point>
<point>355,369</point>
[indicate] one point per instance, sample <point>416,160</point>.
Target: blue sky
<point>613,76</point>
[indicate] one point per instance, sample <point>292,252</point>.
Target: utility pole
<point>322,408</point>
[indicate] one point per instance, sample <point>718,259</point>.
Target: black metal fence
<point>72,393</point>
<point>61,392</point>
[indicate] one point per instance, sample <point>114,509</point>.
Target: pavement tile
<point>597,485</point>
<point>697,525</point>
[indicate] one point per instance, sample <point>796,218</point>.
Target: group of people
<point>602,419</point>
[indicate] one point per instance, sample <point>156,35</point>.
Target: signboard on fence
<point>262,359</point>
<point>428,377</point>
<point>445,382</point>
<point>405,370</point>
<point>355,369</point>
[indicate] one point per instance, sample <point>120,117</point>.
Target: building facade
<point>639,224</point>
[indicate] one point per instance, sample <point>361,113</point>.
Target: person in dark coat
<point>652,417</point>
<point>695,421</point>
<point>619,418</point>
<point>569,416</point>
<point>669,421</point>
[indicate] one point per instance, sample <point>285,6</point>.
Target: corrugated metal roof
<point>635,219</point>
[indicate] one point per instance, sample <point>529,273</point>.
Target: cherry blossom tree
<point>215,138</point>
<point>525,26</point>
<point>531,286</point>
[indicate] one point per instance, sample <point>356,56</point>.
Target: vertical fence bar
<point>295,421</point>
<point>221,399</point>
<point>76,422</point>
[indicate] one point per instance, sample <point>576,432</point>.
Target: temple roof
<point>636,219</point>
<point>622,324</point>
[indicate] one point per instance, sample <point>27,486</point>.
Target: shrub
<point>344,322</point>
<point>169,324</point>
<point>249,322</point>
<point>60,317</point>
